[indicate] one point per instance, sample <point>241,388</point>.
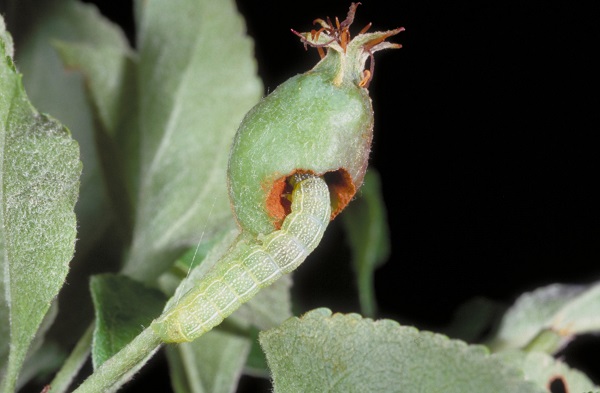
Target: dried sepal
<point>357,50</point>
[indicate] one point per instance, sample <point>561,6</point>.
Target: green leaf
<point>123,308</point>
<point>346,353</point>
<point>543,369</point>
<point>6,40</point>
<point>213,363</point>
<point>197,79</point>
<point>474,318</point>
<point>110,72</point>
<point>558,309</point>
<point>39,179</point>
<point>368,234</point>
<point>60,92</point>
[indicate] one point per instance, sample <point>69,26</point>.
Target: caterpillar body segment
<point>245,269</point>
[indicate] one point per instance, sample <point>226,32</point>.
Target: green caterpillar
<point>315,126</point>
<point>247,268</point>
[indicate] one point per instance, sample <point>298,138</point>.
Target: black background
<point>484,137</point>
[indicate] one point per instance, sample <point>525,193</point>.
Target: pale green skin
<point>247,268</point>
<point>308,124</point>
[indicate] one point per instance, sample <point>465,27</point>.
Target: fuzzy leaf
<point>123,308</point>
<point>346,353</point>
<point>213,363</point>
<point>368,234</point>
<point>110,72</point>
<point>565,310</point>
<point>60,92</point>
<point>39,182</point>
<point>197,79</point>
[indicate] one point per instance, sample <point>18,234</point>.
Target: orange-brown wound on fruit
<point>340,184</point>
<point>278,206</point>
<point>342,190</point>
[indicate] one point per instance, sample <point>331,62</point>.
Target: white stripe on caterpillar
<point>240,274</point>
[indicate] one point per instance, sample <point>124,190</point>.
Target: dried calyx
<point>346,56</point>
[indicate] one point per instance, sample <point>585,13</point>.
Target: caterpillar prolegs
<point>240,274</point>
